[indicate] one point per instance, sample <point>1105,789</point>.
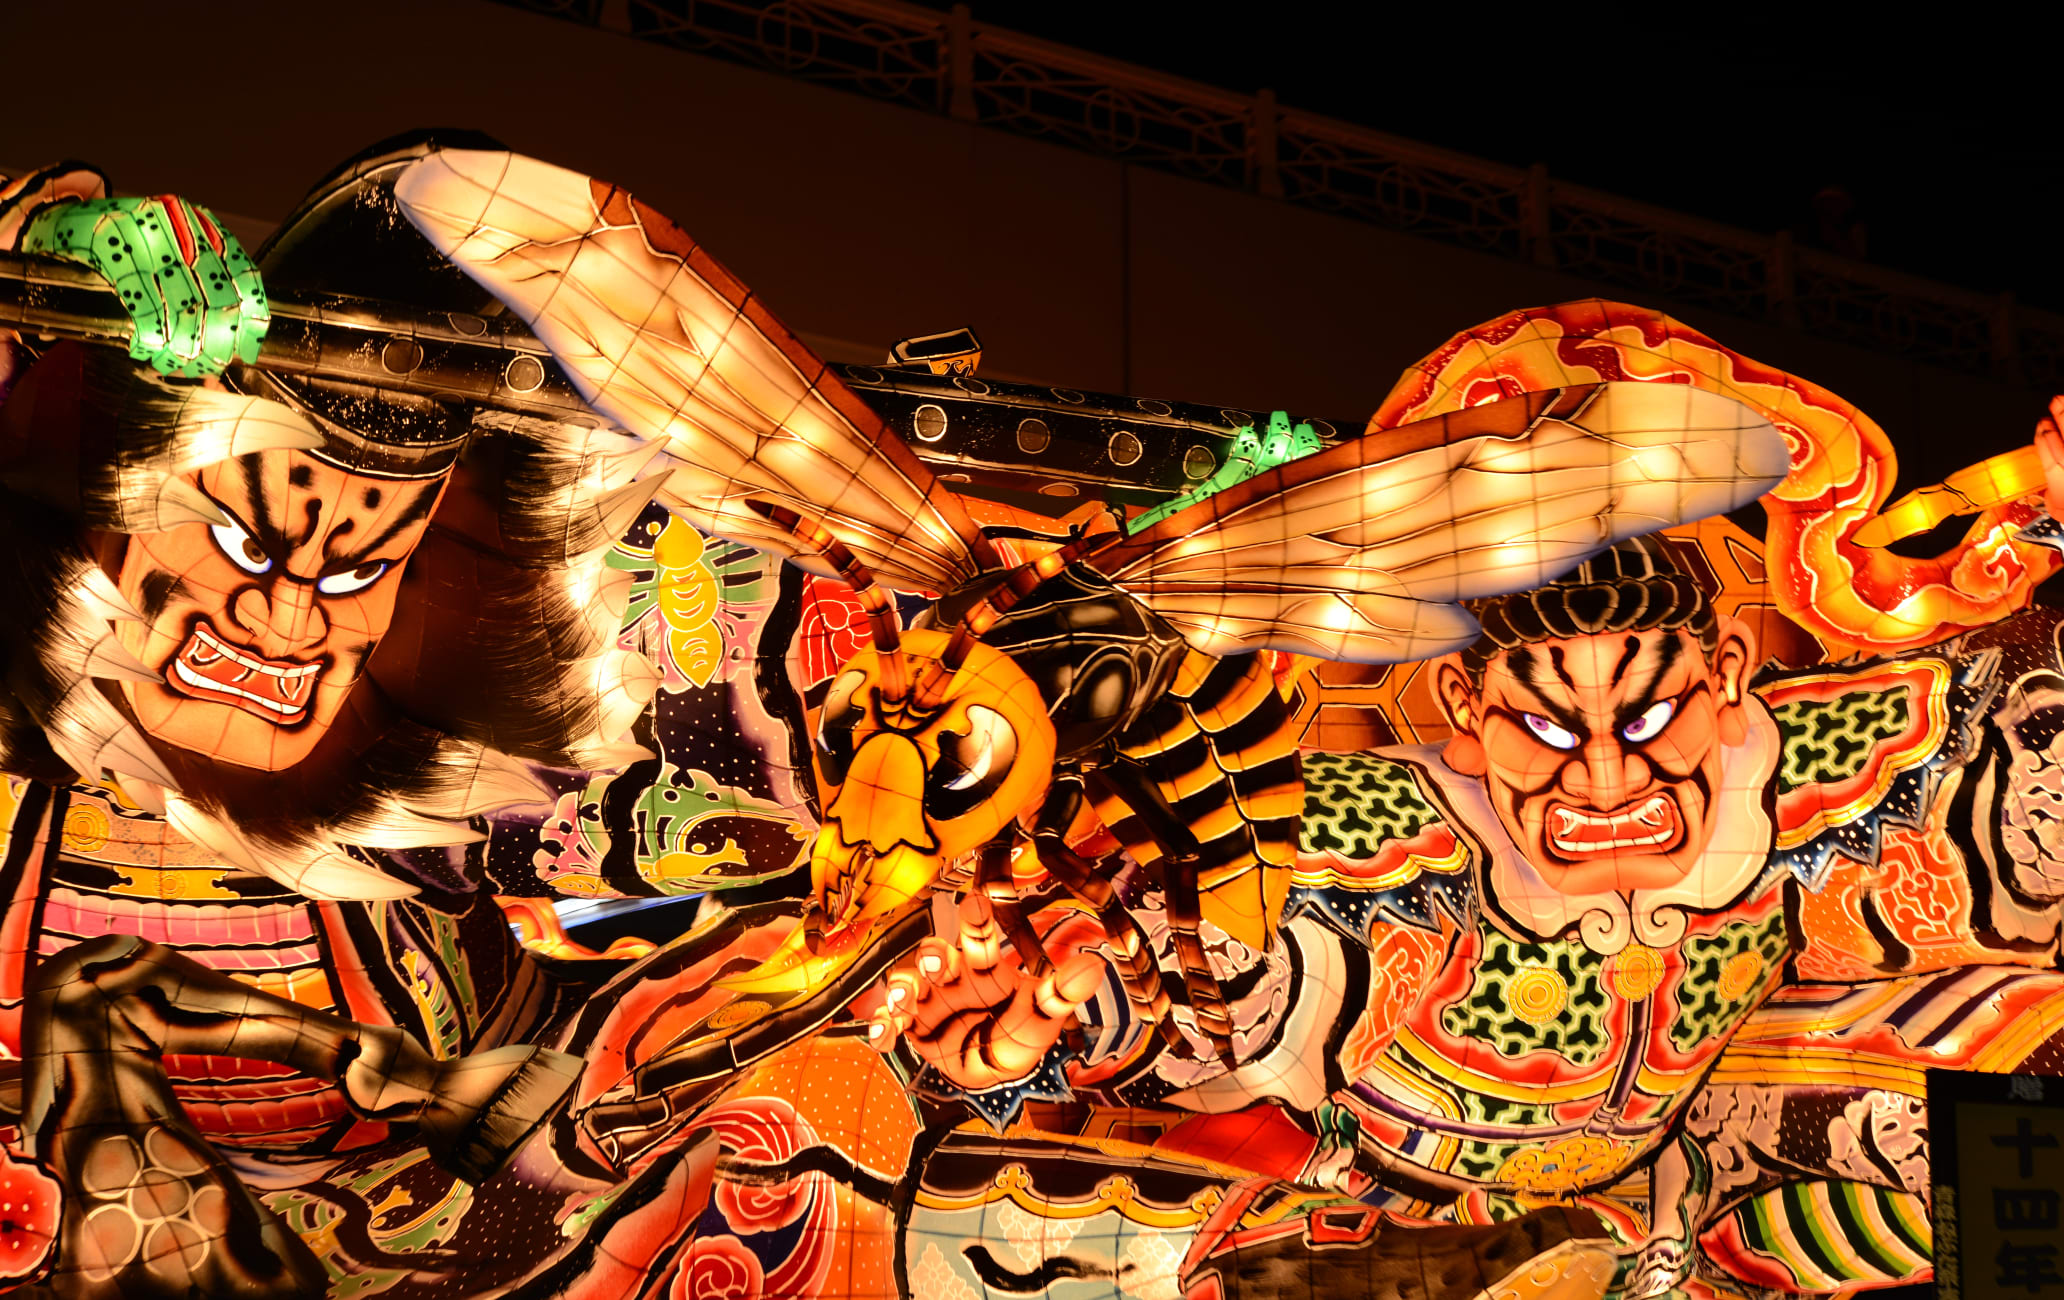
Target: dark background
<point>1937,126</point>
<point>863,222</point>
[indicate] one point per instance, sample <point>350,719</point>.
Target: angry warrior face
<point>1603,755</point>
<point>261,625</point>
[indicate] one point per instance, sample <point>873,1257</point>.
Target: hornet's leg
<point>150,1208</point>
<point>1207,787</point>
<point>1178,867</point>
<point>1080,877</point>
<point>1185,919</point>
<point>993,881</point>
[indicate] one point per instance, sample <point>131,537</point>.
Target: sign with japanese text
<point>1999,1184</point>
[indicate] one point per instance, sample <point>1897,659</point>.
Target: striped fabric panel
<point>178,925</point>
<point>234,1084</point>
<point>1824,1236</point>
<point>278,1137</point>
<point>239,1114</point>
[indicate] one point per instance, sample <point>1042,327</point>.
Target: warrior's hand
<point>187,283</point>
<point>971,1012</point>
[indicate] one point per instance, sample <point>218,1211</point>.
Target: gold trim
<point>1785,1019</point>
<point>2027,1031</point>
<point>169,883</point>
<point>1120,1148</point>
<point>459,1188</point>
<point>1118,1193</point>
<point>1429,1097</point>
<point>1414,864</point>
<point>1503,1089</point>
<point>1666,1083</point>
<point>1794,1065</point>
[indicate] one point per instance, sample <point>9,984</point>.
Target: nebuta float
<point>483,539</point>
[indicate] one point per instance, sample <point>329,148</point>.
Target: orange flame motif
<point>1853,598</point>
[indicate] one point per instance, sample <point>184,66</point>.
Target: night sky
<point>1938,127</point>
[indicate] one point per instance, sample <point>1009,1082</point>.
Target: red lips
<point>209,668</point>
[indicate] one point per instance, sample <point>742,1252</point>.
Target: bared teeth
<point>278,688</point>
<point>1654,813</point>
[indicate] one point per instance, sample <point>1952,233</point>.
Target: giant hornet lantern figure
<point>1115,674</point>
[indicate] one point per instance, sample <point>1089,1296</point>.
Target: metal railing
<point>946,63</point>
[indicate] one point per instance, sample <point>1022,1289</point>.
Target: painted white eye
<point>972,765</point>
<point>358,579</point>
<point>1651,723</point>
<point>242,549</point>
<point>842,712</point>
<point>978,768</point>
<point>1548,733</point>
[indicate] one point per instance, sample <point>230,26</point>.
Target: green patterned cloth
<point>1831,740</point>
<point>1354,804</point>
<point>192,291</point>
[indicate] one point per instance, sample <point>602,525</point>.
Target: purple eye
<point>1548,733</point>
<point>1651,723</point>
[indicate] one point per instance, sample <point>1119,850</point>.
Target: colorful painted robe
<point>1731,1072</point>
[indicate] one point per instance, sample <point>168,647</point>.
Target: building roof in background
<point>1766,126</point>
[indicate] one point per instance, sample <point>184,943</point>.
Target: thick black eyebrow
<point>1667,652</point>
<point>1523,665</point>
<point>261,526</point>
<point>1633,647</point>
<point>415,510</point>
<point>312,512</point>
<point>1525,670</point>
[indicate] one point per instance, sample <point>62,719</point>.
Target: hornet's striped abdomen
<point>1212,768</point>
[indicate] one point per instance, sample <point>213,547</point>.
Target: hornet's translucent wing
<point>1363,551</point>
<point>662,340</point>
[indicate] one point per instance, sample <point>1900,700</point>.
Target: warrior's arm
<point>1368,924</point>
<point>1306,1018</point>
<point>1324,1007</point>
<point>1968,864</point>
<point>2019,831</point>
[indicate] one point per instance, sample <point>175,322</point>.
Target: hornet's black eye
<point>972,765</point>
<point>842,711</point>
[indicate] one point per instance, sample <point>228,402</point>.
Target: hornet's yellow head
<point>908,786</point>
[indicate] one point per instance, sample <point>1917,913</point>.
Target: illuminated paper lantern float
<point>1051,864</point>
